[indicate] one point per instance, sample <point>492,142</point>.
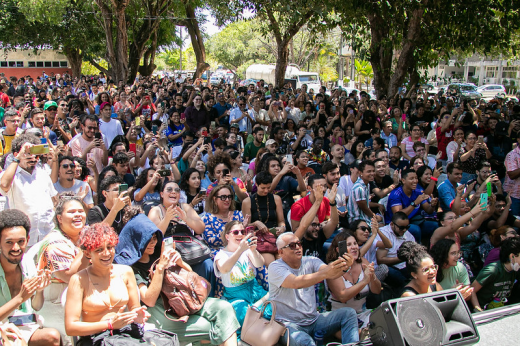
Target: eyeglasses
<point>91,128</point>
<point>172,189</point>
<point>433,268</point>
<point>315,225</point>
<point>66,166</point>
<point>241,104</point>
<point>402,228</point>
<point>456,253</point>
<point>293,245</point>
<point>224,197</point>
<point>13,120</point>
<point>237,232</point>
<point>197,100</point>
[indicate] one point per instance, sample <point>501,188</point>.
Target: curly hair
<point>84,169</point>
<point>184,183</point>
<point>14,218</point>
<point>211,206</point>
<point>63,201</point>
<point>332,253</point>
<point>220,158</point>
<point>494,235</point>
<point>142,180</point>
<point>412,254</point>
<point>440,252</point>
<point>263,165</point>
<point>94,236</point>
<point>131,212</point>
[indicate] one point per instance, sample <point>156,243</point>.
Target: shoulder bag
<point>258,331</point>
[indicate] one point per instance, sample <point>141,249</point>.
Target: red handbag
<point>266,243</point>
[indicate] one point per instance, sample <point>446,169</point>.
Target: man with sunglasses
<point>87,143</point>
<point>291,286</point>
<point>29,187</point>
<point>66,182</point>
<point>397,233</point>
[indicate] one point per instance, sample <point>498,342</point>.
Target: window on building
<point>39,64</point>
<point>19,64</point>
<point>3,63</point>
<point>48,64</point>
<point>491,71</point>
<point>64,64</point>
<point>12,63</point>
<point>509,72</point>
<point>32,63</point>
<point>55,64</point>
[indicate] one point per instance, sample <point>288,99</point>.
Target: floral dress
<point>214,227</point>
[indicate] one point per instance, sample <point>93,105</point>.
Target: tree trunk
<point>381,53</point>
<point>197,42</point>
<point>282,60</point>
<point>75,58</point>
<point>148,59</point>
<point>117,50</point>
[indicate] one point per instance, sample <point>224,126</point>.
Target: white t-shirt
<point>396,243</point>
<point>242,272</point>
<point>346,184</point>
<point>78,144</point>
<point>110,130</point>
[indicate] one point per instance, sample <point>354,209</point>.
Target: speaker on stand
<point>438,318</point>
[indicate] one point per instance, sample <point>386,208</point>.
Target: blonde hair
<point>229,226</point>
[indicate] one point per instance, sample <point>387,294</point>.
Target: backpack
<point>183,292</point>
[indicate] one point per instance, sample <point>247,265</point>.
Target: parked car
<point>215,79</point>
<point>490,90</point>
<point>463,92</point>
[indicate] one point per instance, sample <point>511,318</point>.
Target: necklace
<point>119,213</point>
<point>258,208</point>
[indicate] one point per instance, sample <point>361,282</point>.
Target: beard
<point>12,261</point>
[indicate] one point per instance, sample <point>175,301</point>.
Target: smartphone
<point>60,143</point>
<point>480,139</point>
<point>342,209</point>
<point>273,231</point>
<point>169,243</point>
<point>123,188</point>
<point>132,147</point>
<point>489,189</point>
<point>225,172</point>
<point>21,320</point>
<point>183,116</point>
<point>97,135</point>
<point>342,248</point>
<point>484,199</point>
<point>164,172</point>
<point>154,129</point>
<point>213,125</point>
<point>207,140</point>
<point>438,164</point>
<point>289,159</point>
<point>137,121</point>
<point>202,193</point>
<point>250,229</point>
<point>39,149</point>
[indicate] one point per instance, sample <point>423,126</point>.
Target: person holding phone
<point>352,288</point>
<point>111,202</point>
<point>191,191</point>
<point>90,143</point>
<point>474,152</point>
<point>147,186</point>
<point>219,167</point>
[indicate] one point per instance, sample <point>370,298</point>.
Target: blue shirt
<point>447,194</point>
<point>398,197</point>
<point>175,131</point>
<point>390,140</point>
<point>220,110</point>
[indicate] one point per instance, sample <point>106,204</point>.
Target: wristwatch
<point>15,160</point>
<point>333,204</point>
<point>412,203</point>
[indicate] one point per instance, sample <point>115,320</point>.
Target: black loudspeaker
<point>439,318</point>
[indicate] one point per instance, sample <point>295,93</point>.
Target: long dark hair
<point>184,183</point>
<point>142,180</point>
<point>332,253</point>
<point>440,252</point>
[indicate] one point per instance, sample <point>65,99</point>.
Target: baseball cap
<point>269,142</point>
<point>49,104</point>
<point>235,125</point>
<point>103,105</point>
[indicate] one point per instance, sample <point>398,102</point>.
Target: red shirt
<point>443,139</point>
<point>303,205</point>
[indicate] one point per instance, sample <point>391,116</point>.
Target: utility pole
<point>180,50</point>
<point>352,62</point>
<point>341,59</point>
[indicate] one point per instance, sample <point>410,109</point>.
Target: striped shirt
<point>360,192</point>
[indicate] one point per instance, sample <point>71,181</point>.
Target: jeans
<point>423,232</point>
<point>397,278</point>
<point>344,319</point>
<point>205,269</point>
<point>515,207</point>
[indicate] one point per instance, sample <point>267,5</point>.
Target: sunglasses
<point>66,166</point>
<point>225,197</point>
<point>402,228</point>
<point>363,228</point>
<point>293,245</point>
<point>172,189</point>
<point>237,232</point>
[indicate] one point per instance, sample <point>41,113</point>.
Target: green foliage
<point>364,72</point>
<point>88,69</point>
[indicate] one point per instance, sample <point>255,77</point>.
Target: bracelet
<point>434,179</point>
<point>333,204</point>
<point>110,326</point>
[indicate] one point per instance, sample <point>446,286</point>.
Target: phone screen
<point>342,247</point>
<point>21,320</point>
<point>123,188</point>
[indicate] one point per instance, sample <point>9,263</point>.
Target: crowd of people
<point>322,201</point>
